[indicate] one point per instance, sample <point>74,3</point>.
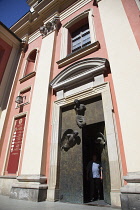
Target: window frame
<point>65,31</point>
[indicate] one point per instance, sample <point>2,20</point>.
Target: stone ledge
<point>130,193</point>
<point>133,177</point>
<point>26,185</point>
<point>8,177</point>
<point>32,178</point>
<point>32,74</point>
<point>78,54</point>
<point>133,188</point>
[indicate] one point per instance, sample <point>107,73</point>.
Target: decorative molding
<point>73,8</point>
<point>32,178</point>
<point>24,46</point>
<point>76,19</point>
<point>32,20</point>
<point>34,36</point>
<point>80,71</point>
<point>25,78</point>
<point>50,26</point>
<point>79,54</point>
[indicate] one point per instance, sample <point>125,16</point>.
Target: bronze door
<point>73,185</point>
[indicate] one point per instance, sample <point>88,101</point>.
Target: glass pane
<point>86,36</point>
<point>76,46</point>
<point>76,42</point>
<point>76,38</point>
<point>86,39</point>
<point>86,42</point>
<point>85,32</point>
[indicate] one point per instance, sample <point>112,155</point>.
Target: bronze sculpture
<point>80,112</point>
<point>70,138</point>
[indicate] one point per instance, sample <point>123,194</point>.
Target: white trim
<point>73,8</point>
<point>138,3</point>
<point>8,37</point>
<point>79,71</point>
<point>64,31</point>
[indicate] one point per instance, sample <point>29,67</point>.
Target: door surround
<point>86,92</point>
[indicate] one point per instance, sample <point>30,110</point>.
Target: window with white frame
<point>80,36</point>
<point>77,33</point>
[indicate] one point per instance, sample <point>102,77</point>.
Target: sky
<point>12,10</point>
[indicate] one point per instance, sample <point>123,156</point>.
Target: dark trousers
<point>95,188</point>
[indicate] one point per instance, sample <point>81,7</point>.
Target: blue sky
<point>12,10</point>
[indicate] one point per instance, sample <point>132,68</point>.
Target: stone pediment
<point>79,72</point>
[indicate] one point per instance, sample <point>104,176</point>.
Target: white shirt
<point>96,170</point>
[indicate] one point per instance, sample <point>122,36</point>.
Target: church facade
<point>72,96</point>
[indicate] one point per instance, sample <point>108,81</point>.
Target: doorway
<point>73,184</point>
<point>98,109</point>
<point>90,148</point>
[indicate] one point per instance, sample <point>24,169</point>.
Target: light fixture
<point>19,99</point>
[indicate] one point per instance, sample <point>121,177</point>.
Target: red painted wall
<point>5,50</point>
<point>13,111</point>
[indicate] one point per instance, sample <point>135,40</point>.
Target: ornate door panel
<point>71,172</point>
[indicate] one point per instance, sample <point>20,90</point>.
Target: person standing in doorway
<point>94,175</point>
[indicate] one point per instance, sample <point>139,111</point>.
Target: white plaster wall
<point>124,59</point>
<point>31,163</point>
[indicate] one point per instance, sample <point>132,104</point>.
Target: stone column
<point>113,150</point>
<point>53,191</point>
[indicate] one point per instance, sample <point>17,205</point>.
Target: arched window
<point>30,66</point>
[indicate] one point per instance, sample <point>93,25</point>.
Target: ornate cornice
<point>50,26</point>
<point>31,21</point>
